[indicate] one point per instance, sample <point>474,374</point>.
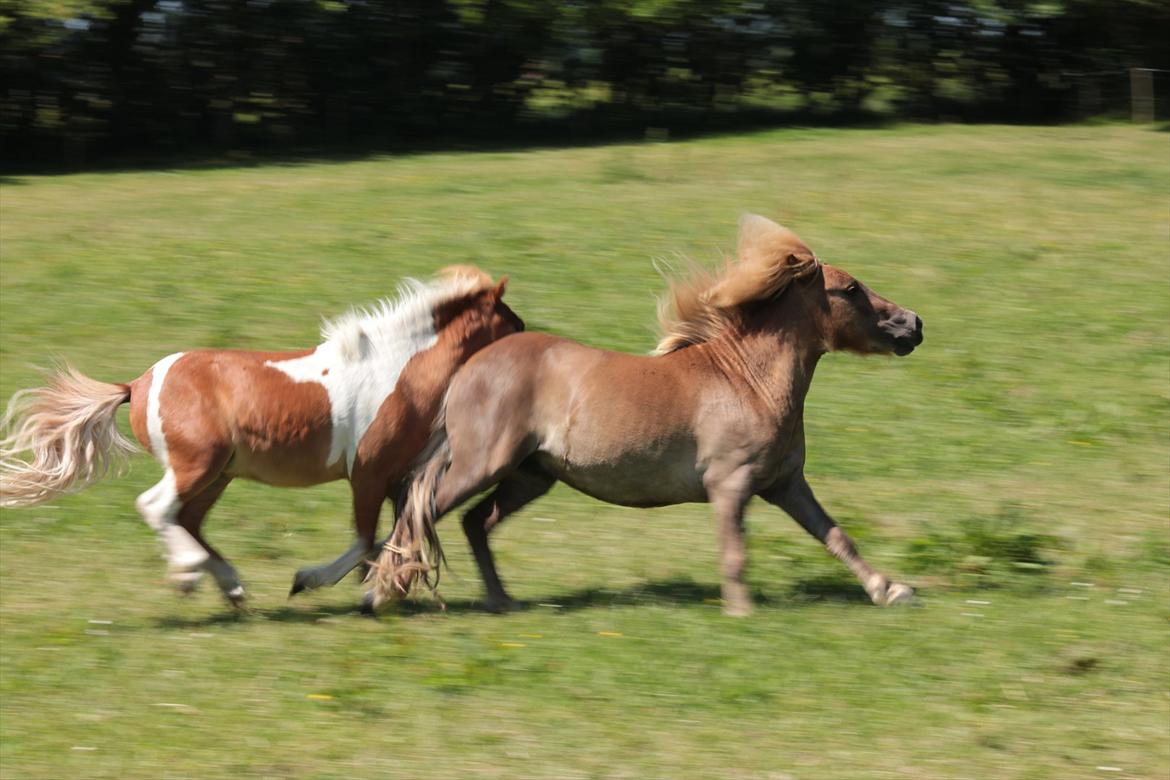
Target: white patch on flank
<point>154,425</point>
<point>365,352</point>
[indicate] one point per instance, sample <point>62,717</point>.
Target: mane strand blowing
<point>700,305</point>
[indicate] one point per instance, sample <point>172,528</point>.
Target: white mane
<point>399,323</point>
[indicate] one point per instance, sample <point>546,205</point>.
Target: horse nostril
<point>917,323</point>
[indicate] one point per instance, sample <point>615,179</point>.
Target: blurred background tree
<point>86,80</point>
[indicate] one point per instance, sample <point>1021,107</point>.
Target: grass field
<point>1016,469</point>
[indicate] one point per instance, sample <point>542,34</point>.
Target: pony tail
<point>413,552</point>
<point>69,428</point>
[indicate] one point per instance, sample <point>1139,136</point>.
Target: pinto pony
<point>715,415</point>
<point>359,406</point>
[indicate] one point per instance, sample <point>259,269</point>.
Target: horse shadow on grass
<point>666,592</point>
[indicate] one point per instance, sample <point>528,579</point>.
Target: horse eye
<point>851,289</point>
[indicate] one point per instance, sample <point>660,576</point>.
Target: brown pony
<point>358,406</point>
<point>716,415</point>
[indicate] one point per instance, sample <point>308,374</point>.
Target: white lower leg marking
<point>185,581</point>
<point>143,502</point>
<point>332,572</point>
<point>159,507</point>
<point>183,552</point>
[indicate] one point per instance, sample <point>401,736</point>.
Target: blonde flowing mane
<point>396,321</point>
<point>699,306</point>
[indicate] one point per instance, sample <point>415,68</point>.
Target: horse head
<point>857,319</point>
<point>849,315</point>
<point>480,315</point>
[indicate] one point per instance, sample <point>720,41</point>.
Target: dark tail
<point>413,553</point>
<point>69,429</point>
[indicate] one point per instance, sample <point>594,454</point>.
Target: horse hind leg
<point>175,508</point>
<point>160,507</point>
<point>452,476</point>
<point>514,492</point>
<point>190,521</point>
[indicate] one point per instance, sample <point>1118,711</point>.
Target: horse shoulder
<point>403,421</point>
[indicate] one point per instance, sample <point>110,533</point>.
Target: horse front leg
<point>368,496</point>
<point>796,498</point>
<point>729,496</point>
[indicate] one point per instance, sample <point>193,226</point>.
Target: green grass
<point>1016,469</point>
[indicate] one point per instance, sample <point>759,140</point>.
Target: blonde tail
<point>69,429</point>
<point>413,553</point>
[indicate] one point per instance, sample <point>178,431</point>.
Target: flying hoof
<point>185,582</point>
<point>898,593</point>
<point>884,593</point>
<point>237,598</point>
<point>737,609</point>
<point>299,584</point>
<point>497,606</point>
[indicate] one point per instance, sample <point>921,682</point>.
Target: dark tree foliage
<point>84,80</point>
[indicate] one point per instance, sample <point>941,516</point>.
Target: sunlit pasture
<point>1015,469</point>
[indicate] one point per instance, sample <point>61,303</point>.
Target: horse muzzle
<point>904,330</point>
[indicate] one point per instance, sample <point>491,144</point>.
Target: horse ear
<point>498,292</point>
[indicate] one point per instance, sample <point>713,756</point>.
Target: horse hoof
<point>737,610</point>
<point>298,585</point>
<point>237,597</point>
<point>499,606</point>
<point>898,593</point>
<point>185,582</point>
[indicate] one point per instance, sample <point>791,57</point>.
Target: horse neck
<point>773,353</point>
<point>461,336</point>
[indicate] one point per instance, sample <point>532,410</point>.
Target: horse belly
<point>635,480</point>
<point>285,467</point>
<point>626,446</point>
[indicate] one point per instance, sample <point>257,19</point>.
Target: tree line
<point>84,80</point>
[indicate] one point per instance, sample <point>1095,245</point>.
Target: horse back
<point>623,428</point>
<point>277,430</point>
